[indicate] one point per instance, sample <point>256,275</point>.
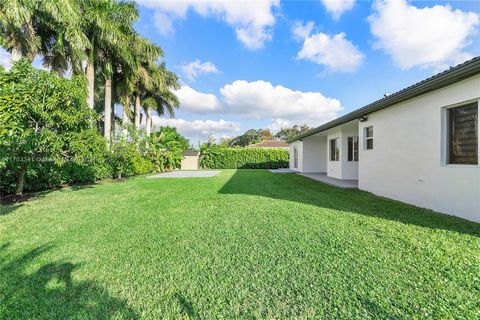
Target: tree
<point>249,137</point>
<point>38,111</point>
<point>289,133</point>
<point>28,27</point>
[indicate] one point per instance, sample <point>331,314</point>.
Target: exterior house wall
<point>408,159</point>
<point>299,145</point>
<point>315,154</point>
<point>190,163</point>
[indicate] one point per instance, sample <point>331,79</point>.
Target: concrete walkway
<point>281,170</point>
<point>186,174</point>
<point>322,177</point>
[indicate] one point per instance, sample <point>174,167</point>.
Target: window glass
<point>463,134</point>
<point>368,137</point>
<point>352,149</point>
<point>334,150</point>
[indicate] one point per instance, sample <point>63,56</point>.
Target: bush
<point>244,158</point>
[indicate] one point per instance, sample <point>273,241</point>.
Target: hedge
<point>243,158</point>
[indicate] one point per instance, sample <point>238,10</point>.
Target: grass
<point>244,244</point>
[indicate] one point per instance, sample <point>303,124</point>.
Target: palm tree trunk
<point>148,124</point>
<point>125,117</point>
<point>137,112</point>
<point>108,111</point>
<point>90,73</point>
<point>16,54</point>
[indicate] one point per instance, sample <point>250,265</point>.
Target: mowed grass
<point>244,244</point>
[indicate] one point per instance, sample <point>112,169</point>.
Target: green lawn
<point>244,244</point>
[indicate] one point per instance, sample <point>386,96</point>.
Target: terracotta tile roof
<point>270,144</point>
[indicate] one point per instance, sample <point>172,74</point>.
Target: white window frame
<point>353,148</point>
<point>337,148</point>
<point>445,132</point>
<point>365,138</point>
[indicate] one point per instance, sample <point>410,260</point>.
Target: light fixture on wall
<point>362,119</point>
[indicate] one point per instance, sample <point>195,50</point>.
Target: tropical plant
<point>38,110</point>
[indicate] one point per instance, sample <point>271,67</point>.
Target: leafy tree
<point>249,137</point>
<point>289,133</point>
<point>38,112</point>
<point>166,147</point>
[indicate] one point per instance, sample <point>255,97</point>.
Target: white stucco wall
<point>342,169</point>
<point>315,154</point>
<point>299,145</point>
<point>407,162</point>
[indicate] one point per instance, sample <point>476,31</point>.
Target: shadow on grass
<point>293,187</point>
<point>186,306</point>
<point>50,292</point>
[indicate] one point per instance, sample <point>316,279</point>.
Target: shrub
<point>244,158</point>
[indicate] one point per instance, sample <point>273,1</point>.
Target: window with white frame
<point>295,157</point>
<point>334,150</point>
<point>352,154</point>
<point>368,138</point>
<point>462,136</point>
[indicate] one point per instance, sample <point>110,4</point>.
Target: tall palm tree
<point>103,23</point>
<point>161,97</point>
<point>27,26</point>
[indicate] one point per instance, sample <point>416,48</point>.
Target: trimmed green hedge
<point>243,158</point>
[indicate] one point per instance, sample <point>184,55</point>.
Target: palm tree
<point>160,98</point>
<point>28,27</point>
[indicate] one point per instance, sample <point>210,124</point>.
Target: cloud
<point>5,59</point>
<point>194,101</point>
<point>260,99</point>
<point>199,129</point>
<point>276,124</point>
<point>424,37</point>
<point>252,20</point>
<point>302,30</point>
<point>196,68</point>
<point>337,7</point>
<point>335,52</point>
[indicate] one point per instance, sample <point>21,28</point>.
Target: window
<point>295,157</point>
<point>352,149</point>
<point>334,150</point>
<point>368,134</point>
<point>463,134</point>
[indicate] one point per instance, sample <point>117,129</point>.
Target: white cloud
<point>5,59</point>
<point>196,68</point>
<point>252,20</point>
<point>199,129</point>
<point>302,30</point>
<point>430,36</point>
<point>276,124</point>
<point>337,7</point>
<point>260,99</point>
<point>335,52</point>
<point>194,101</point>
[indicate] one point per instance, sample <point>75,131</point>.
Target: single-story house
<point>191,160</point>
<point>270,144</point>
<point>419,145</point>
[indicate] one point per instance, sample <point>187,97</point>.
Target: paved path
<point>322,177</point>
<point>281,170</point>
<point>186,174</point>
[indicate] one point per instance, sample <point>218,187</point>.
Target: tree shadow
<point>186,306</point>
<point>50,291</point>
<point>293,187</point>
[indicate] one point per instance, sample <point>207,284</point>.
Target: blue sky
<point>267,64</point>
